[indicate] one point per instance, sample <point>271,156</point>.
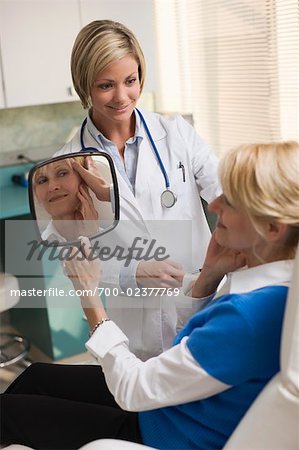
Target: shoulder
<point>259,305</point>
<point>70,147</point>
<point>260,300</point>
<point>167,122</point>
<point>177,131</point>
<point>254,312</point>
<point>244,329</point>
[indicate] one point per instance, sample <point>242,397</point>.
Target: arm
<point>93,179</point>
<point>199,291</point>
<point>138,385</point>
<point>204,161</point>
<point>218,262</point>
<point>172,378</point>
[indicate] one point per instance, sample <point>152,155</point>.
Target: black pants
<point>52,406</point>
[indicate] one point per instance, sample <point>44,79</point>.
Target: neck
<point>116,132</point>
<point>257,256</point>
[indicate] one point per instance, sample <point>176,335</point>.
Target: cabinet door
<point>36,42</point>
<point>138,16</point>
<point>1,91</point>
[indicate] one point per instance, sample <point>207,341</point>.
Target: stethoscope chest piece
<point>168,198</point>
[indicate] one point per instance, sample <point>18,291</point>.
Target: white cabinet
<point>36,38</point>
<point>1,91</point>
<point>138,16</point>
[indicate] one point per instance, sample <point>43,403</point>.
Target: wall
<point>38,131</point>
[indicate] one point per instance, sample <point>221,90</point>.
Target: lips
<point>119,108</point>
<point>57,197</point>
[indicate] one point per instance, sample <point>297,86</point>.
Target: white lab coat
<point>151,329</point>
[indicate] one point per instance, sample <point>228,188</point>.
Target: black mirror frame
<point>65,156</point>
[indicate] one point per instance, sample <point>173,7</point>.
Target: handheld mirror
<point>74,195</point>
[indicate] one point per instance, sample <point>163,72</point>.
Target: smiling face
<point>234,228</point>
<point>115,92</point>
<point>56,186</point>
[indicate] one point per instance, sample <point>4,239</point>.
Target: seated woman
<point>194,394</point>
<point>61,193</point>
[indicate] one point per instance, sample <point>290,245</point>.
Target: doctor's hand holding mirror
<point>74,195</point>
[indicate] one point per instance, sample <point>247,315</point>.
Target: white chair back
<point>272,422</point>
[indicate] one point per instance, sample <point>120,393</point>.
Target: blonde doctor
<point>163,169</point>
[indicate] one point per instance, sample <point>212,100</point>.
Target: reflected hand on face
<point>93,179</point>
<point>86,213</point>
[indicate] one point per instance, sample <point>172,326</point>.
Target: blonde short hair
<point>97,45</point>
<point>263,180</point>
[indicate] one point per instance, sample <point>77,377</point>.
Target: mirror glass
<point>74,195</point>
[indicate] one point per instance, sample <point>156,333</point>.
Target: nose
<point>215,205</point>
<point>53,185</point>
<point>120,94</point>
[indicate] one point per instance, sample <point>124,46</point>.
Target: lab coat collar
<point>156,129</point>
<point>270,274</point>
<point>147,161</point>
<point>94,132</point>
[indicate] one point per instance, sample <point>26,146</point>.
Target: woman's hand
<point>221,260</point>
<point>161,274</point>
<point>84,272</point>
<point>218,262</point>
<point>83,268</point>
<point>86,214</point>
<point>92,177</point>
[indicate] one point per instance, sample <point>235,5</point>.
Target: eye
<point>62,173</point>
<point>41,180</point>
<point>105,86</point>
<point>131,81</point>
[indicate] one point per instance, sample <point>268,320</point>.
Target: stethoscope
<point>168,198</point>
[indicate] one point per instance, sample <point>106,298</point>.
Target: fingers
<point>86,208</point>
<point>172,277</point>
<point>84,195</point>
<point>160,273</point>
<point>174,264</point>
<point>78,167</point>
<point>85,247</point>
<point>90,163</point>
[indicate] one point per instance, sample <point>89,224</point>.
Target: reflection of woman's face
<point>56,186</point>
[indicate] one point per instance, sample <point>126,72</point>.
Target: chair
<point>272,422</point>
<point>13,348</point>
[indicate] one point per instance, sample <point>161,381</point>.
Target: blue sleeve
<point>234,345</point>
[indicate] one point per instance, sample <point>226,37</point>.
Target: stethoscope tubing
<point>168,198</point>
<point>83,148</point>
<point>167,184</point>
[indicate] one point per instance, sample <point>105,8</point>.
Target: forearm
<point>138,385</point>
<point>94,314</point>
<point>206,283</point>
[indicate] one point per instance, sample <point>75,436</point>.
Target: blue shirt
<point>129,167</point>
<point>236,339</point>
